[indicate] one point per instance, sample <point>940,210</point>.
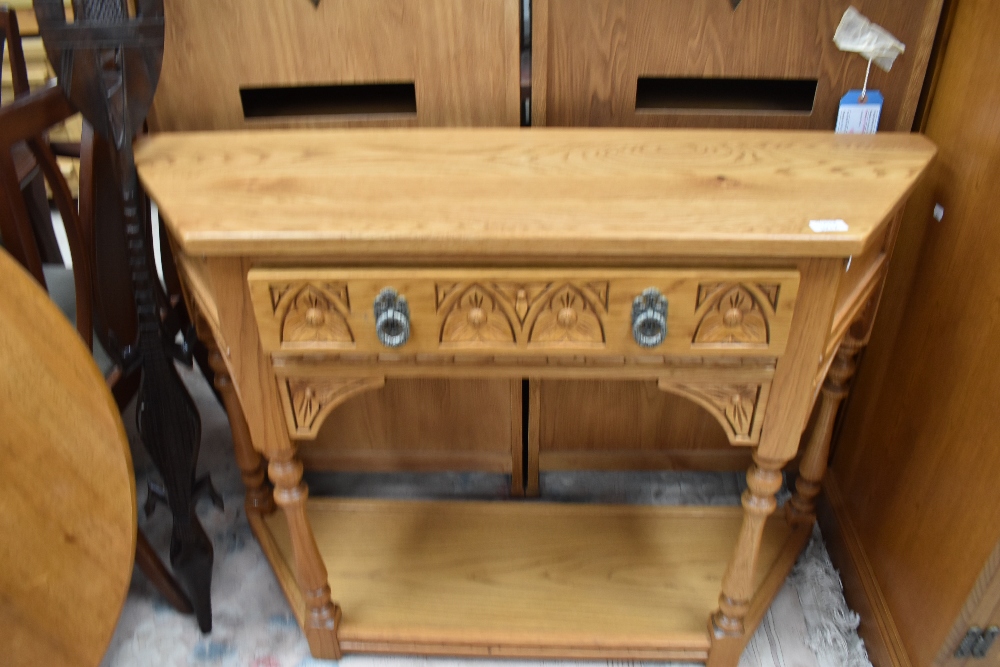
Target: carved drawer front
<point>525,312</point>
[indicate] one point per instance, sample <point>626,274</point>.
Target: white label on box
<point>828,226</point>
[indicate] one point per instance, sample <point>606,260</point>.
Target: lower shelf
<point>524,579</point>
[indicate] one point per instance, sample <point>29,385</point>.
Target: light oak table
<point>726,266</point>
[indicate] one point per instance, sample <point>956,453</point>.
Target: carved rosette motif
<point>737,407</point>
<point>313,313</point>
<point>735,314</point>
<point>475,317</point>
<point>567,317</point>
<point>309,400</point>
<point>530,314</point>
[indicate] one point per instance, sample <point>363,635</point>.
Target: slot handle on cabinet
<point>392,318</point>
<point>649,318</point>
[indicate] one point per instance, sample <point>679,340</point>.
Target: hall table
<point>735,268</point>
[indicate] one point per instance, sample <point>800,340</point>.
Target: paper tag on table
<point>820,226</point>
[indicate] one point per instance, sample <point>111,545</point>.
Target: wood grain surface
<point>584,580</point>
<point>588,54</point>
<point>917,462</point>
<point>448,193</point>
<point>67,504</point>
<point>461,56</point>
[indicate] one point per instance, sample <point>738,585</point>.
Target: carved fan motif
<point>735,317</point>
<point>476,318</point>
<point>733,405</point>
<point>568,317</point>
<point>312,399</point>
<point>313,317</point>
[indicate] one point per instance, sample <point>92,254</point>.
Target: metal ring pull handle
<point>649,318</point>
<point>392,318</point>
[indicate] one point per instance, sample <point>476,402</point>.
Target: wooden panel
<point>917,462</point>
<point>582,193</point>
<point>628,425</point>
<point>423,425</point>
<point>588,54</point>
<point>461,56</point>
<point>525,312</point>
<point>585,581</point>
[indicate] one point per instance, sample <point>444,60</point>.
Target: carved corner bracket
<point>738,407</point>
<point>308,401</point>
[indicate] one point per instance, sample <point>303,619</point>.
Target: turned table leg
<point>802,507</point>
<point>763,482</point>
<point>258,492</point>
<point>726,625</point>
<point>322,615</point>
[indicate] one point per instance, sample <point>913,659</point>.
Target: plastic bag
<point>859,35</point>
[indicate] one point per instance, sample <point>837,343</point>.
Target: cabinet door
<point>702,63</point>
<point>297,63</point>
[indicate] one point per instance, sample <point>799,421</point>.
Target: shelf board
<point>522,578</point>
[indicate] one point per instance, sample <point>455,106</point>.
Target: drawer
<point>525,312</point>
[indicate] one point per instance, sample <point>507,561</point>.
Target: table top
<point>528,193</point>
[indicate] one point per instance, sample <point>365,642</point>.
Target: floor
<point>808,624</point>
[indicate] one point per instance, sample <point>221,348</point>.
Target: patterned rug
<point>808,624</point>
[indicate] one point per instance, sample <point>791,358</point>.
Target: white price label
<point>820,226</point>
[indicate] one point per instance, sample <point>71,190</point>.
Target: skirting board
<point>861,587</point>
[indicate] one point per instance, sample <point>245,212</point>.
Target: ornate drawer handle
<point>392,318</point>
<point>649,318</point>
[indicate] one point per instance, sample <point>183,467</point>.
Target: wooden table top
<point>527,193</point>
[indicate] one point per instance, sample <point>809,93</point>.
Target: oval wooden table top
<point>67,502</point>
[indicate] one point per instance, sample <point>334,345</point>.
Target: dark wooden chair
<point>32,182</point>
<point>23,123</point>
